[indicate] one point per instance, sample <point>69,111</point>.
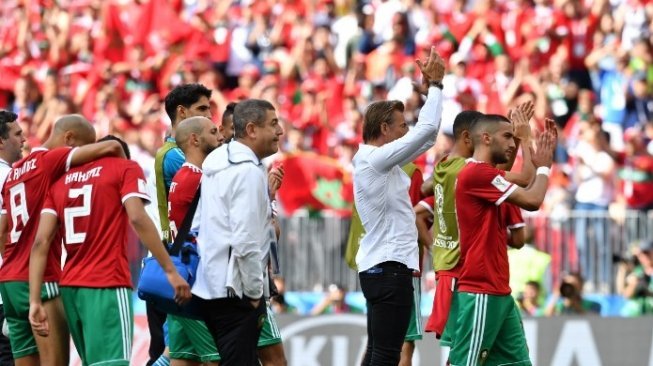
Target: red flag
<point>159,27</point>
<point>315,182</point>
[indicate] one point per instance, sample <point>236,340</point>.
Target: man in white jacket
<point>234,211</point>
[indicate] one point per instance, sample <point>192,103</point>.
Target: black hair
<point>125,148</point>
<point>5,118</point>
<point>184,95</point>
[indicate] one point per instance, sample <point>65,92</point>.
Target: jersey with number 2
<point>88,200</point>
<point>23,194</point>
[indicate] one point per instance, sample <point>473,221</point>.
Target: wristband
<point>544,171</point>
<point>437,84</point>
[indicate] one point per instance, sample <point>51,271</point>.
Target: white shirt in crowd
<point>234,213</point>
<point>381,191</point>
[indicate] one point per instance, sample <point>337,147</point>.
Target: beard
<point>499,156</point>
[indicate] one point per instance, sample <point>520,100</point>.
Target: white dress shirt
<point>234,212</point>
<point>381,191</point>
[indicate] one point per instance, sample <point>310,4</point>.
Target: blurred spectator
<point>527,265</point>
<point>635,174</point>
<point>638,287</point>
<point>529,299</point>
<point>334,302</point>
<point>567,299</point>
<point>278,302</point>
<point>593,174</point>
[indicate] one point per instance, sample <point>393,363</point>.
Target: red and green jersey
<point>446,246</point>
<point>182,191</point>
<point>88,200</point>
<point>23,195</point>
<point>480,191</point>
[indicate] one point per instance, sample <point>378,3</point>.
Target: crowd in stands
<point>586,63</point>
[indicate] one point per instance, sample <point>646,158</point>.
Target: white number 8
<point>18,211</point>
<point>71,213</point>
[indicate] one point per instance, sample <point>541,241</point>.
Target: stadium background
<point>587,64</point>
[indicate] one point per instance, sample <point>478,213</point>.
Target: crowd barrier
<point>312,249</point>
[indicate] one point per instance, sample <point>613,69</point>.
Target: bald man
<point>189,341</point>
<point>23,195</point>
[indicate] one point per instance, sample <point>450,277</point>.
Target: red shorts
<point>445,284</point>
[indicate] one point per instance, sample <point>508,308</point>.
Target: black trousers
<point>155,320</point>
<point>6,357</point>
<point>235,326</point>
<point>388,289</point>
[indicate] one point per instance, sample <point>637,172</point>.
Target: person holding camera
<point>568,298</point>
<point>638,288</point>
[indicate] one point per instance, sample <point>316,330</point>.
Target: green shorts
<point>489,332</point>
<point>449,333</point>
<point>415,329</point>
<point>101,322</point>
<point>270,334</point>
<point>15,296</point>
<point>190,340</point>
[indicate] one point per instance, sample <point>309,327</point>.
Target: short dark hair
<point>5,118</point>
<point>184,95</point>
<point>377,114</point>
<point>250,110</point>
<point>124,145</point>
<point>486,123</point>
<point>229,111</point>
<point>464,121</point>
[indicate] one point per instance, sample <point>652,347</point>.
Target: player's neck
<point>484,156</point>
<point>458,152</point>
<point>5,158</point>
<point>195,157</point>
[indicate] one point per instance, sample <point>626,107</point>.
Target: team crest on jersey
<point>500,183</point>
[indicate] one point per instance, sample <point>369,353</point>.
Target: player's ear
<point>486,138</point>
<point>69,138</point>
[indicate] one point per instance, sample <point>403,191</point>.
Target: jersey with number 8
<point>88,200</point>
<point>23,195</point>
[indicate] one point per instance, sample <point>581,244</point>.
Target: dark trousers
<point>235,326</point>
<point>388,289</point>
<point>6,358</point>
<point>155,320</point>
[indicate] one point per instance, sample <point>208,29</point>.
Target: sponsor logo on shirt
<point>500,183</point>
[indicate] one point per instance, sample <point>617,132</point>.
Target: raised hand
<point>433,70</point>
<point>551,130</point>
<point>520,118</point>
<point>275,177</point>
<point>545,145</point>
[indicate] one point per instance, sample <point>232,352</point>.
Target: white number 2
<point>71,213</point>
<point>18,210</point>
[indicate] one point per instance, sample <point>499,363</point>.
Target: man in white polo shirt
<point>388,252</point>
<point>11,145</point>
